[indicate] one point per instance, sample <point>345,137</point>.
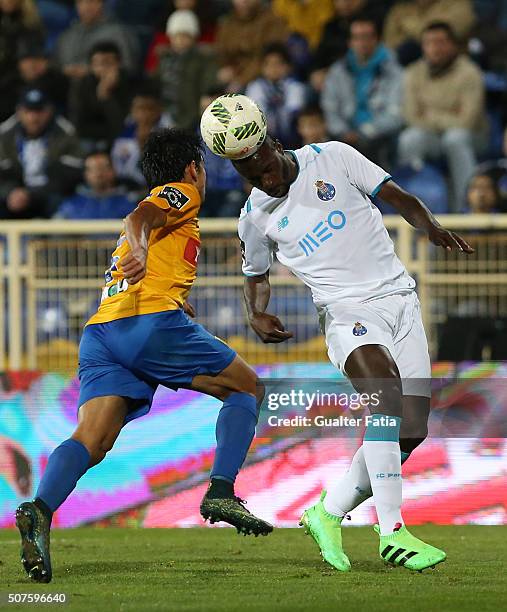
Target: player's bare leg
<point>238,387</point>
<point>373,372</point>
<point>100,422</point>
<point>372,369</point>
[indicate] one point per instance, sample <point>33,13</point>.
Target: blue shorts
<point>130,357</point>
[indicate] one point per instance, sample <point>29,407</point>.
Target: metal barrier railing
<point>53,272</point>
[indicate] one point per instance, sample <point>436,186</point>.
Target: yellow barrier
<point>53,272</point>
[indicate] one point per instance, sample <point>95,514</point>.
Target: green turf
<point>215,569</point>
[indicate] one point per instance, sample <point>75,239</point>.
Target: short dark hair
<point>167,153</point>
<point>277,49</point>
<point>214,91</point>
<point>148,88</point>
<point>444,27</point>
<point>365,18</point>
<point>311,111</point>
<point>97,152</point>
<point>105,47</point>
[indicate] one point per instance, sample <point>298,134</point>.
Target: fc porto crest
<point>325,191</point>
<point>359,329</point>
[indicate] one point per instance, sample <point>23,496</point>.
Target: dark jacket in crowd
<point>75,44</point>
<point>56,173</point>
<point>185,77</point>
<point>12,32</point>
<point>99,120</point>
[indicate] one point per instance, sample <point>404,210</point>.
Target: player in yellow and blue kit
<point>141,337</point>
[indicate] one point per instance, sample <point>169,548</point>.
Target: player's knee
<point>98,447</point>
<point>98,451</point>
<point>248,382</point>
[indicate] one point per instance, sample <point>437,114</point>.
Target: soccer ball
<point>233,126</point>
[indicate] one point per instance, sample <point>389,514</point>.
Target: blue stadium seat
<point>429,184</point>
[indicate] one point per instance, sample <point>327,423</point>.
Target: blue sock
<point>404,456</point>
<point>235,430</point>
<point>66,465</point>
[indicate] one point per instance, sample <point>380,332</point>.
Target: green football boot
<point>232,510</point>
<point>34,527</point>
<point>404,549</point>
<point>325,529</point>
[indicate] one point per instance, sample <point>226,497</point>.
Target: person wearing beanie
<point>186,69</point>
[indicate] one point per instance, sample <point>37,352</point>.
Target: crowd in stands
<point>418,86</point>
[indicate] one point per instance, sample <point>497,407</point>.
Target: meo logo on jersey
<point>322,231</point>
<point>174,197</point>
<point>325,191</point>
<point>359,329</point>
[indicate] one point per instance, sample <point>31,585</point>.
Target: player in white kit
<point>311,207</point>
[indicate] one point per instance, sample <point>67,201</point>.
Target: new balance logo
<point>284,221</point>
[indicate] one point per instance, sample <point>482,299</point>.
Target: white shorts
<point>394,321</point>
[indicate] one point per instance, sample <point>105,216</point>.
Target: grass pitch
<point>217,570</point>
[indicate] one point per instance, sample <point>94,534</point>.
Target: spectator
<point>406,22</point>
<point>224,186</point>
<point>145,115</point>
<point>333,43</point>
<point>40,159</point>
<point>207,13</point>
<point>19,20</point>
<point>306,18</point>
<point>361,98</point>
<point>99,102</point>
<point>94,27</point>
<point>57,16</point>
<point>36,72</point>
<point>482,195</point>
<point>487,41</point>
<point>186,70</point>
<point>279,95</point>
<point>311,126</point>
<point>444,109</point>
<point>141,18</point>
<point>241,38</point>
<point>497,170</point>
<point>99,197</point>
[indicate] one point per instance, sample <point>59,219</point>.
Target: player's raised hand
<point>448,240</point>
<point>133,266</point>
<point>269,328</point>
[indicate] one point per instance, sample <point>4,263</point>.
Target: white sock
<point>351,490</point>
<point>383,461</point>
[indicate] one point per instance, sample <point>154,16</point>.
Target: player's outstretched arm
<point>417,214</point>
<point>138,226</point>
<point>269,328</point>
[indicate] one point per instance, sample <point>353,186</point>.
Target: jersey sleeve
<point>256,248</point>
<point>361,172</point>
<point>180,201</point>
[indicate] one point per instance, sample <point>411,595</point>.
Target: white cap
<point>183,22</point>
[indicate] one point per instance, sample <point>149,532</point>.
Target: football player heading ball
<point>312,206</point>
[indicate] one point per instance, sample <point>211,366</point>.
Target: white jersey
<point>326,229</point>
